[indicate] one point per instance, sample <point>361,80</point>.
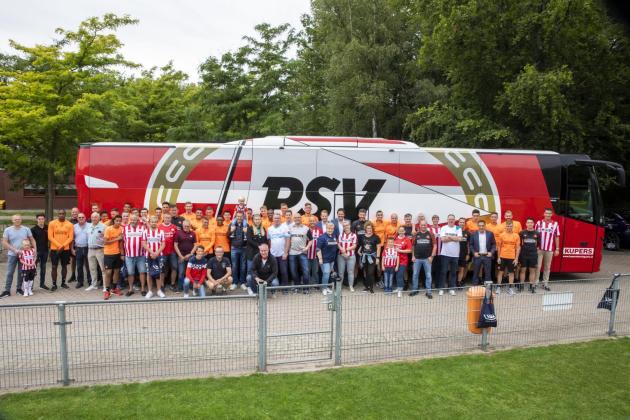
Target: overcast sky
<point>185,31</point>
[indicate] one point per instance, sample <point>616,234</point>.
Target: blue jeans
<point>314,264</point>
<point>202,288</point>
<point>248,277</point>
<point>239,265</point>
<point>254,285</point>
<point>346,265</point>
<point>181,272</point>
<point>12,264</point>
<point>82,262</point>
<point>326,269</point>
<point>450,265</point>
<point>42,258</point>
<point>283,270</point>
<point>389,278</point>
<point>302,260</point>
<point>400,276</point>
<point>417,266</point>
<point>136,264</point>
<point>486,263</point>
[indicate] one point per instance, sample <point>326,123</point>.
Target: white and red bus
<point>349,172</point>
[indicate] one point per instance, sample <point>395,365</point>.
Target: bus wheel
<point>611,241</point>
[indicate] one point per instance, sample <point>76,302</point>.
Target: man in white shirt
<point>279,242</point>
<point>450,237</point>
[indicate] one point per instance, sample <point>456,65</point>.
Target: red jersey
<point>132,240</point>
<point>347,240</point>
<point>548,234</point>
<point>169,238</point>
<point>435,231</point>
<point>389,257</point>
<point>402,244</point>
<point>27,259</point>
<point>312,251</point>
<point>154,239</point>
<point>196,270</point>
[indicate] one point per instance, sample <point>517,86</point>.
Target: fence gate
<point>301,328</point>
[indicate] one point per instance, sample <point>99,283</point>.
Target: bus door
<point>580,241</point>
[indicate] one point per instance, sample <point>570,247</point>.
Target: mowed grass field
<point>585,380</point>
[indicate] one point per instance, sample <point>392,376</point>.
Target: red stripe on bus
<point>419,174</point>
<point>216,170</point>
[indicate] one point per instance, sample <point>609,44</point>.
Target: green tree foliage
<point>50,100</point>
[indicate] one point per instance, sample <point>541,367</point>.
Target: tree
<point>51,104</point>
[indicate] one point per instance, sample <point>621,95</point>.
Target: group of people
<point>198,252</point>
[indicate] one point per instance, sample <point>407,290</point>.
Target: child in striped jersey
<point>389,262</point>
<point>27,267</point>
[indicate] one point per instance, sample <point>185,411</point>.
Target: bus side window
<point>579,195</point>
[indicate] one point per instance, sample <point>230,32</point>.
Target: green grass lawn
<point>586,380</point>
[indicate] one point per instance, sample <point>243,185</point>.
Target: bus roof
<point>322,141</point>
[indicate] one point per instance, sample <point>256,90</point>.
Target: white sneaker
<point>233,287</point>
<point>161,294</point>
<point>149,295</point>
<point>441,292</point>
<point>185,295</point>
<point>325,292</point>
<point>498,290</point>
<point>30,292</point>
<point>352,289</point>
<point>243,286</point>
<point>90,288</point>
<point>451,292</point>
<point>25,294</point>
<point>250,291</point>
<point>510,291</point>
<point>399,293</point>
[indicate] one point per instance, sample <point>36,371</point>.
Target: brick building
<point>26,197</point>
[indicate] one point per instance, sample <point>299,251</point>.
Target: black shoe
<point>371,290</point>
<point>405,288</point>
<point>19,292</point>
<point>72,280</point>
<point>78,286</point>
<point>429,295</point>
<point>5,294</point>
<point>173,288</point>
<point>414,293</point>
<point>129,293</point>
<point>532,289</point>
<point>547,288</point>
<point>44,287</point>
<point>64,285</point>
<point>143,293</point>
<point>53,288</point>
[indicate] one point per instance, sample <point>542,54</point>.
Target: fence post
<point>338,311</point>
<point>262,327</point>
<point>63,343</point>
<point>613,304</point>
<point>484,331</point>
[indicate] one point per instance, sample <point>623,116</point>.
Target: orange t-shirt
<point>380,228</point>
<point>306,219</point>
<point>190,217</point>
<point>516,228</point>
<point>471,226</point>
<point>196,223</point>
<point>391,229</point>
<point>110,233</point>
<point>494,228</point>
<point>221,237</point>
<point>266,222</point>
<point>508,242</point>
<point>205,237</point>
<point>60,234</point>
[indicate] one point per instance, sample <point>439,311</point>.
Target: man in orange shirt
<point>210,216</point>
<point>516,225</point>
<point>205,236</point>
<point>380,226</point>
<point>283,209</point>
<point>471,224</point>
<point>391,227</point>
<point>508,249</point>
<point>308,214</point>
<point>264,215</point>
<point>188,212</point>
<point>221,233</point>
<point>112,260</point>
<point>60,235</point>
<point>197,222</point>
<point>493,226</point>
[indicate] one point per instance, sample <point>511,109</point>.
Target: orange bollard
<point>474,298</point>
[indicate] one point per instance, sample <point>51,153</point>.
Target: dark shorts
<point>28,275</point>
<point>112,262</point>
<point>528,261</point>
<point>462,262</point>
<point>507,265</point>
<point>170,261</point>
<point>63,256</point>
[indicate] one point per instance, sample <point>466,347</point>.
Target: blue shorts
<point>171,261</point>
<point>136,264</point>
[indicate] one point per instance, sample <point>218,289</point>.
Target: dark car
<point>617,230</point>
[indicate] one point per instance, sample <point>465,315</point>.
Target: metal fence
<point>129,340</point>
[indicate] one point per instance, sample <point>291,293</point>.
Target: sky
<point>184,31</point>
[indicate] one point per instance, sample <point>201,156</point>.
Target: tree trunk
<point>374,132</point>
<point>50,195</point>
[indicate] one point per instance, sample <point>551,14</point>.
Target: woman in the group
<point>369,250</point>
<point>327,254</point>
<point>346,258</point>
<point>256,235</point>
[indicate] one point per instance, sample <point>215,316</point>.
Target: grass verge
<point>586,380</point>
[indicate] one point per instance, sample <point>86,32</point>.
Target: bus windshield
<point>579,195</point>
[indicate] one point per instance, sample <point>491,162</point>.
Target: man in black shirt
<point>175,219</point>
<point>528,258</point>
<point>423,251</point>
<point>264,269</point>
<point>219,272</point>
<point>40,234</point>
<point>358,227</point>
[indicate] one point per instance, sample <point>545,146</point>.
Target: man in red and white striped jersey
<point>133,253</point>
<point>347,257</point>
<point>549,245</point>
<point>313,262</point>
<point>434,228</point>
<point>153,244</point>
